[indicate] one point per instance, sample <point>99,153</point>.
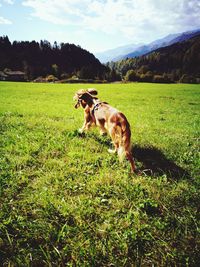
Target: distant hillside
<point>135,50</point>
<point>176,61</point>
<point>143,49</point>
<point>41,59</point>
<point>166,41</point>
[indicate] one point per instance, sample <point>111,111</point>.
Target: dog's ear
<point>87,98</point>
<point>92,91</point>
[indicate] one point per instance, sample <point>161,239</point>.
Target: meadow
<point>65,201</point>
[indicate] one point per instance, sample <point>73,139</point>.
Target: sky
<point>97,25</point>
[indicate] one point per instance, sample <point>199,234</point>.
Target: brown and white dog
<point>108,119</point>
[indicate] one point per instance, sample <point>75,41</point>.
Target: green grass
<point>65,201</point>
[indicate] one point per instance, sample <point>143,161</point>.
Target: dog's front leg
<point>81,130</point>
<point>86,126</point>
<point>87,122</point>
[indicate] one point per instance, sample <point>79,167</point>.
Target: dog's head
<point>85,97</point>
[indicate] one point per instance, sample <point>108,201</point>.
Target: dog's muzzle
<point>78,104</point>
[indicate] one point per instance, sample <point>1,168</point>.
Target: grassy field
<point>65,201</point>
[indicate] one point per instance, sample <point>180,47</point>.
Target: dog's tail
<point>124,144</point>
<point>121,136</point>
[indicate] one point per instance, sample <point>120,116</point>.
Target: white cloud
<point>57,12</point>
<point>132,19</point>
<point>5,21</point>
<point>2,19</point>
<point>11,2</point>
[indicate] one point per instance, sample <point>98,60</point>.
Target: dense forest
<point>179,62</point>
<point>42,59</point>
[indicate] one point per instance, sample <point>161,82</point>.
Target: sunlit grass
<point>65,201</point>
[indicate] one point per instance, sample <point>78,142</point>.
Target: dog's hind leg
<point>112,151</point>
<point>131,160</point>
<point>113,135</point>
<point>103,131</point>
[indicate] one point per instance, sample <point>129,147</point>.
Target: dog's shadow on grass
<point>155,163</point>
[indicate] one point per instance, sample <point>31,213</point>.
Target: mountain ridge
<point>145,48</point>
<point>106,55</point>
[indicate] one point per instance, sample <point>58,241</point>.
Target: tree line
<point>43,59</point>
<point>179,62</point>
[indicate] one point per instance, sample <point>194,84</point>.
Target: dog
<point>108,119</point>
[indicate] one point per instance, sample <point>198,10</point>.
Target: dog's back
<point>118,127</point>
